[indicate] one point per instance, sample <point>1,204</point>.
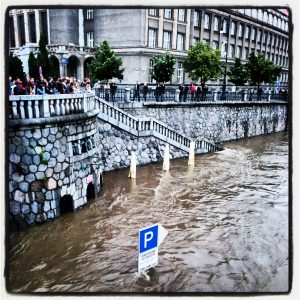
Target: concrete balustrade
<point>45,106</point>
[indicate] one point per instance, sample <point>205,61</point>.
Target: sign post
<point>149,240</point>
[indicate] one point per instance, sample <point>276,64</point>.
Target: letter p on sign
<point>148,238</point>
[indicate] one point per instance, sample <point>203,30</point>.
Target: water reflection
<point>227,219</point>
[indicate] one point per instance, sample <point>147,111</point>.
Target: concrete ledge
<point>53,120</point>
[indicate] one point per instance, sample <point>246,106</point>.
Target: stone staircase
<point>148,126</point>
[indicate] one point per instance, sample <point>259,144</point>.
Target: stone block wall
<point>219,122</point>
<point>42,169</point>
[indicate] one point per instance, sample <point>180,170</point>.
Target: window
<point>32,29</point>
<point>275,21</point>
<point>206,21</point>
<point>279,23</point>
<point>151,79</point>
<point>223,49</point>
<point>233,28</point>
<point>260,14</point>
<point>231,51</point>
<point>246,53</point>
<point>181,15</point>
<point>270,19</point>
<point>180,41</point>
<point>215,45</point>
<point>258,35</point>
<point>254,13</point>
<point>167,40</point>
<point>225,26</point>
<point>180,72</point>
<point>216,24</point>
<point>241,30</point>
<point>248,12</point>
<point>253,34</point>
<point>239,51</point>
<point>90,14</point>
<point>152,42</point>
<point>269,39</point>
<point>21,30</point>
<point>153,12</point>
<point>44,24</point>
<point>12,32</point>
<point>90,39</point>
<point>197,19</point>
<point>168,13</point>
<point>265,19</point>
<point>247,32</point>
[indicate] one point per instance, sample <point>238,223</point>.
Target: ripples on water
<point>227,219</point>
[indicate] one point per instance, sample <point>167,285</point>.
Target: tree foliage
<point>163,67</point>
<point>106,64</point>
<point>203,63</point>
<point>15,67</point>
<point>238,74</point>
<point>33,66</point>
<point>43,57</point>
<point>261,70</point>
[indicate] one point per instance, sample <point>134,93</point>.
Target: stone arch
<point>86,62</point>
<point>66,204</point>
<point>73,66</point>
<point>54,64</point>
<point>90,191</point>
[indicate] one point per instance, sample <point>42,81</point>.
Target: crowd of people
<point>194,91</point>
<point>65,85</point>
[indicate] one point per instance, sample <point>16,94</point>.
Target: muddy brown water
<point>227,219</point>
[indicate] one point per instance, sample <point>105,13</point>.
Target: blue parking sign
<point>148,238</point>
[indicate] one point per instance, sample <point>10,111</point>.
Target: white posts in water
<point>166,164</point>
<point>192,154</point>
<point>132,171</point>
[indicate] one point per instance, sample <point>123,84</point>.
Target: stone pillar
<point>245,95</point>
<point>174,32</point>
<point>26,26</point>
<point>160,29</point>
<point>37,25</point>
<point>16,29</point>
<point>81,27</point>
<point>269,95</point>
<point>177,95</point>
<point>127,94</point>
<point>188,29</point>
<point>215,95</point>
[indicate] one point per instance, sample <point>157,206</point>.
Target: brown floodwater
<point>227,222</point>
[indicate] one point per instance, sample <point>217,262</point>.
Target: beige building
<point>138,34</point>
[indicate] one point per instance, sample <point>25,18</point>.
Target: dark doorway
<point>54,67</point>
<point>66,204</point>
<point>72,66</point>
<point>90,191</point>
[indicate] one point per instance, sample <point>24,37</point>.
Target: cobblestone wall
<point>42,169</point>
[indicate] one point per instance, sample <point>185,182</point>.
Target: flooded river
<point>227,219</point>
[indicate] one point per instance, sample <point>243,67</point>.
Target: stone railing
<point>147,126</point>
<point>44,106</point>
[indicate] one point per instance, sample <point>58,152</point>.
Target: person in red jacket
<point>192,91</point>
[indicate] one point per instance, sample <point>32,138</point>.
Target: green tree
<point>163,67</point>
<point>33,66</point>
<point>261,70</point>
<point>43,57</point>
<point>203,63</point>
<point>106,64</point>
<point>238,73</point>
<point>15,67</point>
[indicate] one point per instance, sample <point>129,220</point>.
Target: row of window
<point>169,14</point>
<point>32,34</point>
<point>265,16</point>
<point>167,40</point>
<point>242,30</point>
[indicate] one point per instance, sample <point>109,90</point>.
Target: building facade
<point>137,35</point>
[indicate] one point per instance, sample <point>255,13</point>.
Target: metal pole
<point>223,95</point>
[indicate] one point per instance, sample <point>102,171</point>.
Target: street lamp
<point>223,95</point>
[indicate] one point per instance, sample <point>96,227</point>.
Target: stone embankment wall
<point>115,148</point>
<point>219,122</point>
<point>43,169</point>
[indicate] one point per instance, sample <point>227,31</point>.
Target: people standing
<point>107,91</point>
<point>192,91</point>
<point>31,87</point>
<point>145,91</point>
<point>113,89</point>
<point>157,92</point>
<point>198,92</point>
<point>137,91</point>
<point>185,92</point>
<point>180,92</point>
